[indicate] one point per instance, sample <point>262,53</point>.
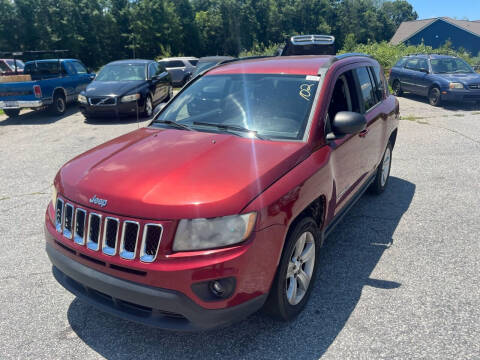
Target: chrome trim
<point>145,257</point>
<point>101,102</point>
<point>80,240</point>
<point>21,104</point>
<point>91,244</point>
<point>68,233</point>
<point>105,248</point>
<point>124,253</point>
<point>57,225</point>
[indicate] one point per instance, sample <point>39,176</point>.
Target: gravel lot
<point>399,278</point>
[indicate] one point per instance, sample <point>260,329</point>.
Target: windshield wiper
<point>174,124</point>
<point>229,128</point>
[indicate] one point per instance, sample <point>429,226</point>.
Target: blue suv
<point>438,77</point>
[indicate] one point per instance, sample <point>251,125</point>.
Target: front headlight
<point>456,85</point>
<point>129,98</point>
<point>54,195</point>
<point>82,99</point>
<point>201,234</point>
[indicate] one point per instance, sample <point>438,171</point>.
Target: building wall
<point>437,33</point>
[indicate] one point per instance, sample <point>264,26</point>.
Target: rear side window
<point>367,88</point>
<point>401,62</point>
<point>380,82</point>
<point>413,64</point>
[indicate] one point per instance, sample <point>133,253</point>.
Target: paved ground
<point>399,278</point>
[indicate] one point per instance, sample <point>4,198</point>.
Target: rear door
<point>412,75</point>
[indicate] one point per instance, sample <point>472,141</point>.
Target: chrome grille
<point>152,233</point>
<point>90,229</point>
<point>110,235</point>
<point>94,222</point>
<point>80,220</point>
<point>102,101</point>
<point>128,245</point>
<point>59,215</point>
<point>474,86</point>
<point>68,221</point>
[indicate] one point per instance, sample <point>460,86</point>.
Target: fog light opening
<point>217,288</point>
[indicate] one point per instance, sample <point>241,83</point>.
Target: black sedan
<point>126,88</point>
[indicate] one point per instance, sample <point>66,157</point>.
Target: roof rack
<point>312,40</point>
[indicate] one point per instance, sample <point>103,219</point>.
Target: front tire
<point>59,105</point>
<point>295,276</point>
<point>12,113</point>
<point>383,172</point>
<point>148,110</point>
<point>397,88</point>
<point>434,96</point>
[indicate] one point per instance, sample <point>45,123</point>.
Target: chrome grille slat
<point>68,221</point>
<point>80,222</point>
<point>128,244</point>
<point>59,215</point>
<point>94,229</point>
<point>110,236</point>
<point>152,235</point>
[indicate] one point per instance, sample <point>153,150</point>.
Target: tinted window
<point>450,66</point>
<point>69,68</point>
<point>193,62</point>
<point>47,69</point>
<point>366,87</point>
<point>412,64</point>
<point>79,68</point>
<point>401,62</point>
<point>276,106</point>
<point>172,63</point>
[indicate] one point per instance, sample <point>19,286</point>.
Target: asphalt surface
<point>398,279</point>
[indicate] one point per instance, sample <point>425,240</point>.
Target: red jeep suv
<point>220,206</point>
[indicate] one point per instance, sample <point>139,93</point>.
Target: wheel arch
<point>393,137</point>
<point>59,90</point>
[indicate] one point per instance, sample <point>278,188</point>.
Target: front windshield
<point>450,66</point>
<point>122,72</point>
<point>272,105</point>
<point>20,64</point>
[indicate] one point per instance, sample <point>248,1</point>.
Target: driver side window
<point>343,99</point>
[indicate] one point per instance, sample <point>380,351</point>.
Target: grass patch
<point>459,115</point>
<point>411,118</point>
<point>1,111</point>
<point>476,113</point>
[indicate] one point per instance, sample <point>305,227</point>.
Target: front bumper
<point>21,104</point>
<point>163,308</point>
<point>460,95</point>
<point>118,110</point>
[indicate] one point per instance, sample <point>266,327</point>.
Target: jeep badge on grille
<point>97,201</point>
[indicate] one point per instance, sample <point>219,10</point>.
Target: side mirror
<point>347,122</point>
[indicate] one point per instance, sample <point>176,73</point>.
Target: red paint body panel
<point>161,176</point>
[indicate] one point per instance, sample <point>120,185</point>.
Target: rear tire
<point>59,105</point>
<point>12,113</point>
<point>296,272</point>
<point>383,172</point>
<point>397,88</point>
<point>434,96</point>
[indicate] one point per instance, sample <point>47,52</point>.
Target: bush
<point>387,55</point>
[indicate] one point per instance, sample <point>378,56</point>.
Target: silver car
<point>180,68</point>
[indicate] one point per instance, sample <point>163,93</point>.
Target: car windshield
<point>272,106</point>
<point>204,65</point>
<point>450,66</point>
<point>122,72</point>
<point>11,63</point>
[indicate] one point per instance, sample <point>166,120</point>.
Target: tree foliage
<point>98,31</point>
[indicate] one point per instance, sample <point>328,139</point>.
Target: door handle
<point>363,133</point>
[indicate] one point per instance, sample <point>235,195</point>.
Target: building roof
<point>409,28</point>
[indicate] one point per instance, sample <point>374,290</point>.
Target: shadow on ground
<point>454,106</point>
<point>349,256</point>
<point>38,117</point>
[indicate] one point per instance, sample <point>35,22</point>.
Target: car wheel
<point>59,105</point>
<point>148,111</point>
<point>397,88</point>
<point>296,272</point>
<point>383,172</point>
<point>12,112</point>
<point>434,96</point>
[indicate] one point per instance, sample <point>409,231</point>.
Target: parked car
<point>11,66</point>
<point>220,206</point>
<point>438,77</point>
<point>125,88</point>
<point>208,62</point>
<point>54,83</point>
<point>181,68</point>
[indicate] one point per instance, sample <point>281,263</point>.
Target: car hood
<point>112,88</point>
<point>172,174</point>
<point>463,78</point>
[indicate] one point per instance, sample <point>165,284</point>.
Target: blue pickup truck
<point>54,83</point>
